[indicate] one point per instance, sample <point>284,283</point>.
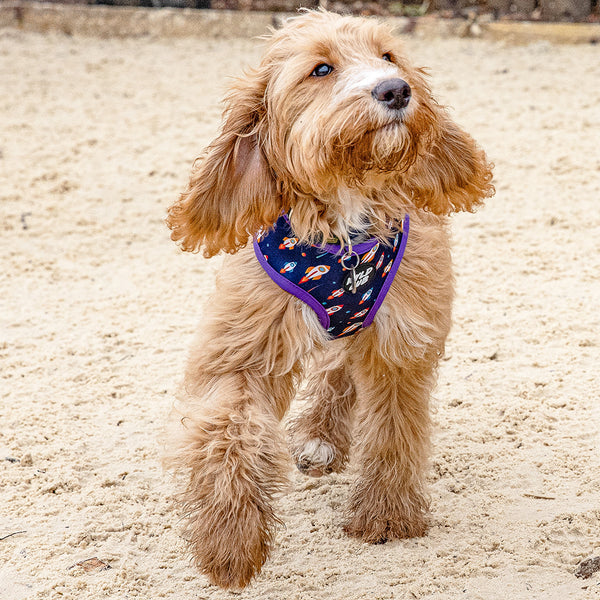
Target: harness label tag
<point>363,275</point>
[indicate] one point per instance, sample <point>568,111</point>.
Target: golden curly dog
<point>337,128</point>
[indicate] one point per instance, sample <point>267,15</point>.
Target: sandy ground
<point>98,308</point>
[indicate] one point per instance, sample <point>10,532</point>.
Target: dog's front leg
<point>236,462</point>
<point>229,446</point>
<point>392,441</point>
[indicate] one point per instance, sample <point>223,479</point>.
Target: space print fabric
<point>345,289</point>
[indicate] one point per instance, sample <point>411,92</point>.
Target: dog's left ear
<point>452,172</point>
<point>232,192</point>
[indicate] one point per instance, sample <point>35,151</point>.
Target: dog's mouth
<point>389,147</point>
<point>389,127</point>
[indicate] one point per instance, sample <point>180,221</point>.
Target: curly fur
<point>325,149</point>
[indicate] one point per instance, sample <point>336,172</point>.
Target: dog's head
<point>336,124</point>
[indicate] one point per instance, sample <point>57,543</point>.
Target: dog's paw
<point>230,541</point>
<point>315,457</point>
<point>380,531</point>
<point>376,528</point>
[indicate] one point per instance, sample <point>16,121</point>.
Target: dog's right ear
<point>232,192</point>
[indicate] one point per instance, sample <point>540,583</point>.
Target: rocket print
<point>370,255</point>
<point>351,328</point>
<point>288,267</point>
<point>289,243</point>
<point>315,273</point>
<point>336,294</point>
<point>366,296</point>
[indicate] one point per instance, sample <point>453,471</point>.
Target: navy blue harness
<point>345,289</point>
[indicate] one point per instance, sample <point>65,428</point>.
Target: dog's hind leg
<point>321,435</point>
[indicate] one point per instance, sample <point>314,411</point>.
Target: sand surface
<point>98,308</point>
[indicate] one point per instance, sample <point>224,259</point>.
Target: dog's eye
<point>387,56</point>
<point>321,70</point>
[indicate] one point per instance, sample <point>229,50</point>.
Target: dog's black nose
<point>394,93</point>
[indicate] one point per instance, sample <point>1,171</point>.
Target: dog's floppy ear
<point>232,192</point>
<point>452,172</point>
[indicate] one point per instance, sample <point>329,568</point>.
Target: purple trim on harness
<point>359,248</point>
<point>337,249</point>
<point>390,276</point>
<point>291,288</point>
